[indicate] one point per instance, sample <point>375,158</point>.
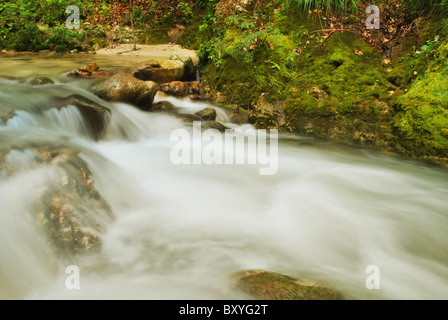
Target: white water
<point>180,231</point>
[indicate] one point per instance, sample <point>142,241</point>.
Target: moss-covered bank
<point>322,75</point>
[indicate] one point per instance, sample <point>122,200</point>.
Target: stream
<point>180,231</point>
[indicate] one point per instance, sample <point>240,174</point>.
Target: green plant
<point>326,5</point>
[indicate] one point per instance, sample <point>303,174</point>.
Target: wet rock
<point>264,285</point>
<point>188,118</point>
<point>96,116</point>
<point>103,74</point>
<point>214,125</point>
<point>164,106</point>
<point>38,80</point>
<point>71,212</point>
<point>159,70</point>
<point>153,86</point>
<point>91,67</point>
<point>85,71</point>
<point>195,87</point>
<point>207,114</point>
<point>161,95</point>
<point>6,114</point>
<point>196,97</point>
<point>124,87</point>
<point>175,88</point>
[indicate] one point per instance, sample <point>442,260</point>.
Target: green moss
<point>422,121</point>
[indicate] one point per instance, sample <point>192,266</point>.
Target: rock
<point>264,285</point>
<point>159,70</point>
<point>6,114</point>
<point>188,118</point>
<point>96,116</point>
<point>87,71</point>
<point>175,88</point>
<point>161,95</point>
<point>153,86</point>
<point>103,74</point>
<point>214,125</point>
<point>195,87</point>
<point>164,106</point>
<point>91,67</point>
<point>239,116</point>
<point>190,69</point>
<point>196,97</point>
<point>124,87</point>
<point>38,80</point>
<point>70,211</point>
<point>207,114</point>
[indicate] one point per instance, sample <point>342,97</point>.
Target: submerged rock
<point>71,212</point>
<point>38,80</point>
<point>96,116</point>
<point>124,87</point>
<point>164,106</point>
<point>264,285</point>
<point>214,125</point>
<point>159,70</point>
<point>207,114</point>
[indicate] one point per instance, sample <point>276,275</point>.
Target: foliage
<point>326,5</point>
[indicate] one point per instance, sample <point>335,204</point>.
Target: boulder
<point>70,210</point>
<point>207,114</point>
<point>264,285</point>
<point>190,69</point>
<point>175,88</point>
<point>124,87</point>
<point>153,86</point>
<point>159,70</point>
<point>96,116</point>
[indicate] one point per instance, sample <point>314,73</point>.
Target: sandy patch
<point>161,51</point>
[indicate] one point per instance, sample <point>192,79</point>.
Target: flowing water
<point>179,231</point>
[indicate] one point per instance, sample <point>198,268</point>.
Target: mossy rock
<point>264,285</point>
<point>124,87</point>
<point>159,70</point>
<point>207,114</point>
<point>422,120</point>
